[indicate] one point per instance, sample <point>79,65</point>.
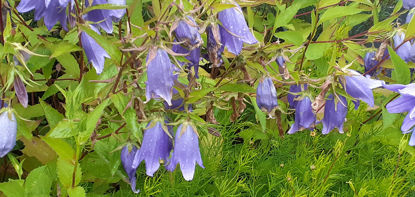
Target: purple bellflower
<point>406,50</point>
<point>234,30</point>
<point>304,116</point>
<point>404,103</point>
<point>214,46</point>
<point>292,97</point>
<point>94,52</point>
<point>186,151</point>
<point>116,15</point>
<point>370,62</point>
<point>266,95</point>
<point>8,131</point>
<point>193,57</point>
<point>187,31</point>
<point>127,158</point>
<point>360,87</point>
<point>160,77</point>
<point>408,4</point>
<point>102,17</point>
<point>334,115</point>
<point>156,146</point>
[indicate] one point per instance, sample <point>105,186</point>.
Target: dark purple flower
<point>8,128</point>
<point>160,77</point>
<point>406,50</point>
<point>334,115</point>
<point>214,46</point>
<point>266,95</point>
<point>370,62</point>
<point>292,97</point>
<point>94,52</point>
<point>21,92</point>
<point>187,31</point>
<point>404,103</point>
<point>127,158</point>
<point>304,116</point>
<point>234,29</point>
<point>193,57</point>
<point>408,4</point>
<point>360,87</point>
<point>186,151</point>
<point>156,146</point>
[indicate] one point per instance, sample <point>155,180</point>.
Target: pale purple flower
<point>292,96</point>
<point>116,15</point>
<point>186,151</point>
<point>266,95</point>
<point>234,30</point>
<point>408,4</point>
<point>8,128</point>
<point>280,61</point>
<point>360,87</point>
<point>127,158</point>
<point>156,146</point>
<point>187,31</point>
<point>20,90</point>
<point>193,57</point>
<point>94,52</point>
<point>404,103</point>
<point>406,51</point>
<point>304,116</point>
<point>334,115</point>
<point>100,16</point>
<point>160,77</point>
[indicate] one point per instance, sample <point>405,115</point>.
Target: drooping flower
<point>334,115</point>
<point>20,90</point>
<point>187,31</point>
<point>156,146</point>
<point>127,158</point>
<point>406,50</point>
<point>304,116</point>
<point>186,151</point>
<point>160,77</point>
<point>266,95</point>
<point>99,16</point>
<point>404,103</point>
<point>214,46</point>
<point>8,131</point>
<point>234,30</point>
<point>116,15</point>
<point>280,61</point>
<point>370,62</point>
<point>94,52</point>
<point>360,87</point>
<point>408,4</point>
<point>292,97</point>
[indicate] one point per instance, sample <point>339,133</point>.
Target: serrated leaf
<point>61,147</point>
<point>259,114</point>
<point>401,74</point>
<point>76,192</point>
<point>39,182</point>
<point>339,11</point>
<point>13,188</point>
<point>65,171</point>
<point>91,121</point>
<point>52,115</point>
<point>70,64</point>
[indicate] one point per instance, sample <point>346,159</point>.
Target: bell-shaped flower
<point>292,96</point>
<point>160,77</point>
<point>127,158</point>
<point>101,17</point>
<point>406,51</point>
<point>334,114</point>
<point>8,131</point>
<point>186,151</point>
<point>408,4</point>
<point>214,46</point>
<point>404,103</point>
<point>234,30</point>
<point>116,15</point>
<point>187,31</point>
<point>27,5</point>
<point>156,147</point>
<point>360,87</point>
<point>304,116</point>
<point>193,57</point>
<point>370,62</point>
<point>94,52</point>
<point>266,95</point>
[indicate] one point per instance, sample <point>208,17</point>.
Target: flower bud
<point>266,95</point>
<point>8,131</point>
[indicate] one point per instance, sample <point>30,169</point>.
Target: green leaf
<point>52,115</point>
<point>316,50</point>
<point>39,182</point>
<point>259,114</point>
<point>295,37</point>
<point>64,129</point>
<point>38,149</point>
<point>198,94</point>
<point>120,102</point>
<point>61,147</point>
<point>238,87</point>
<point>65,171</point>
<point>76,192</point>
<point>401,74</point>
<point>13,188</point>
<point>339,11</point>
<point>70,64</point>
<point>388,118</point>
<point>62,48</point>
<point>91,122</point>
<point>410,30</point>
